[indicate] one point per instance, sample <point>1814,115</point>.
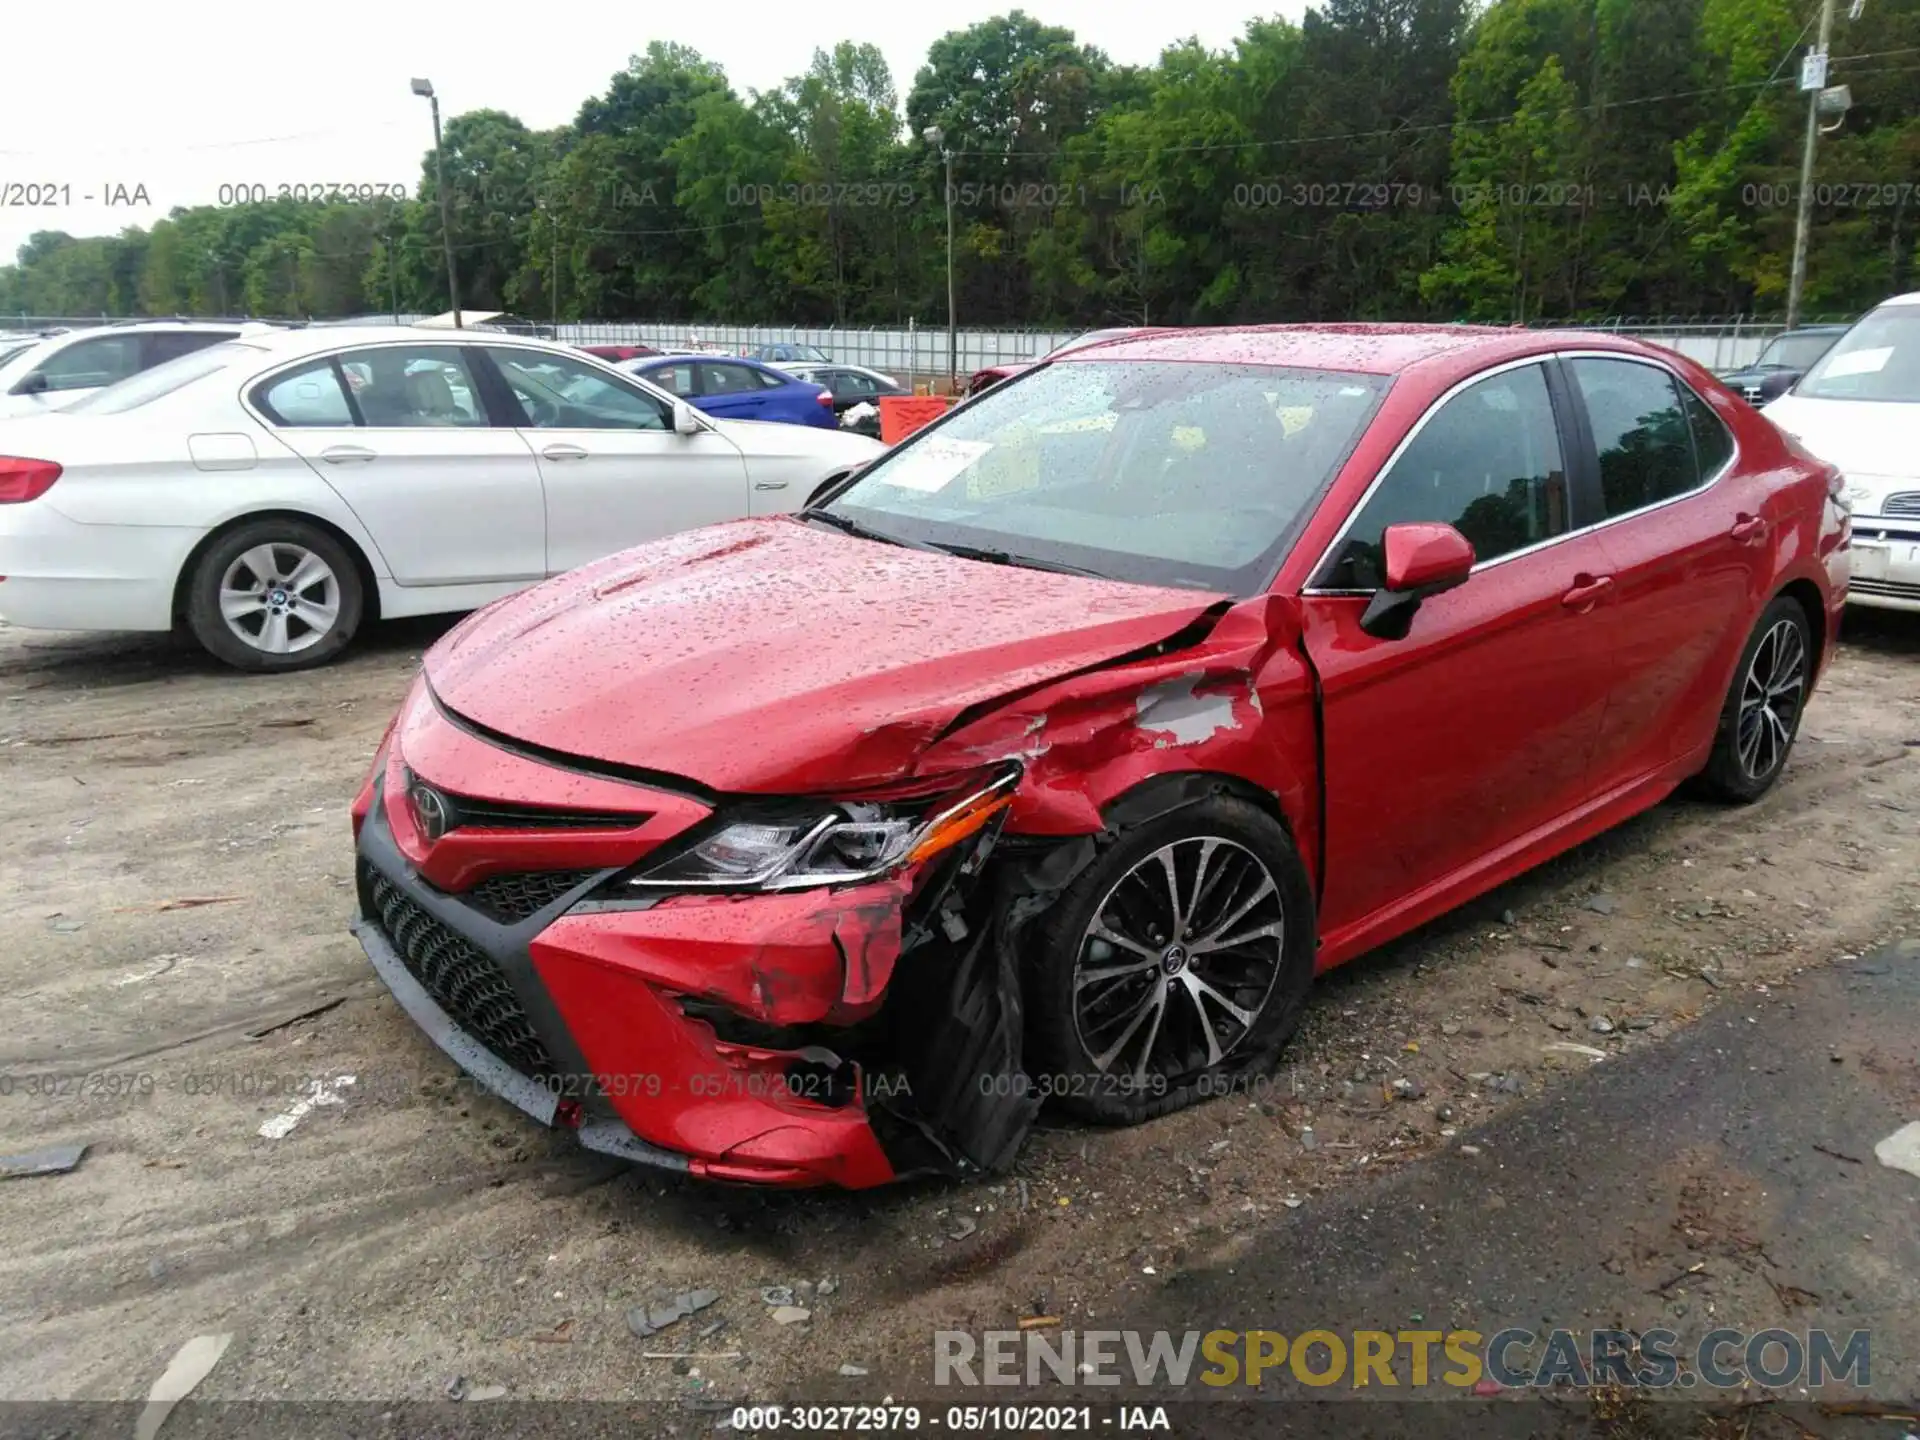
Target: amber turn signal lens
<point>966,818</point>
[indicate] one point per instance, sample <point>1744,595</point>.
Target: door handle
<point>769,484</point>
<point>346,455</point>
<point>1587,591</point>
<point>563,452</point>
<point>1748,529</point>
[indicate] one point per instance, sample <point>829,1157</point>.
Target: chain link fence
<point>919,354</point>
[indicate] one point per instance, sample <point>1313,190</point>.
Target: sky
<point>118,112</point>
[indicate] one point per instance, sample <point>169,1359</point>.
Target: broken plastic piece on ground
<point>1901,1150</point>
<point>190,1365</point>
<point>54,1160</point>
<point>645,1320</point>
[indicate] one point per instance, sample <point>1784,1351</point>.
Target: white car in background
<point>59,370</point>
<point>272,494</point>
<point>1859,408</point>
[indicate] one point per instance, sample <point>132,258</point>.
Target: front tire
<point>1179,959</point>
<point>1761,716</point>
<point>274,595</point>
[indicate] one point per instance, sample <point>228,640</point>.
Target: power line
<point>1595,108</point>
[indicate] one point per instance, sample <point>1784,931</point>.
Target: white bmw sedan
<point>273,494</point>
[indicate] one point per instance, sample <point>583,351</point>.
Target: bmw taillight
<point>22,480</point>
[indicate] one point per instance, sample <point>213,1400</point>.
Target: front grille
<point>509,899</point>
<point>1906,504</point>
<point>462,980</point>
<point>1892,589</point>
<point>471,813</point>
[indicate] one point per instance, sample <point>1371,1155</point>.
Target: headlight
<point>834,845</point>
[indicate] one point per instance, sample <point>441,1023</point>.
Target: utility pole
<point>1816,71</point>
<point>393,277</point>
<point>425,88</point>
<point>935,136</point>
<point>553,224</point>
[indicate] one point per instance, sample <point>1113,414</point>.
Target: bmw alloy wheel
<point>1770,699</point>
<point>1179,960</point>
<point>280,598</point>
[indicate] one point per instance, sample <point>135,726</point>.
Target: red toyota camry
<point>1051,755</point>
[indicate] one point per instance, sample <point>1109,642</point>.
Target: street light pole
<point>1798,280</point>
<point>425,88</point>
<point>934,135</point>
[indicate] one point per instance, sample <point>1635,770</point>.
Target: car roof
<point>1911,298</point>
<point>313,340</point>
<point>147,327</point>
<point>1362,348</point>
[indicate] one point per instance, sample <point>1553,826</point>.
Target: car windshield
<point>164,379</point>
<point>1878,359</point>
<point>8,352</point>
<point>1154,472</point>
<point>1794,352</point>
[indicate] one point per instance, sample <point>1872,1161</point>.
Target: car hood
<point>773,656</point>
<point>1862,437</point>
<point>774,440</point>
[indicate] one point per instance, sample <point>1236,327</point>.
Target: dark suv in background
<point>1788,356</point>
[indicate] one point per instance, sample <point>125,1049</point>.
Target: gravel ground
<point>405,1231</point>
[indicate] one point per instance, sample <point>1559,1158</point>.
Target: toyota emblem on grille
<point>430,810</point>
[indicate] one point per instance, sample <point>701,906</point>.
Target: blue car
<point>735,389</point>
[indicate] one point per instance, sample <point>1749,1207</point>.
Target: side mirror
<point>686,420</point>
<point>32,384</point>
<point>1420,560</point>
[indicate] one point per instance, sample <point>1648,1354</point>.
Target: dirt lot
<point>404,1232</point>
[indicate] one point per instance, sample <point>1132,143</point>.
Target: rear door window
<point>716,379</point>
<point>1641,431</point>
<point>414,386</point>
<point>305,397</point>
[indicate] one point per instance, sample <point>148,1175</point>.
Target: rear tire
<point>274,595</point>
<point>1761,717</point>
<point>1138,1008</point>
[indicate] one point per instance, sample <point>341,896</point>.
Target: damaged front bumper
<point>846,1037</point>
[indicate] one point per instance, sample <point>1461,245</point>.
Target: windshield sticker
<point>1859,362</point>
<point>932,464</point>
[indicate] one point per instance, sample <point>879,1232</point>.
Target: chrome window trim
<point>413,341</point>
<point>1386,469</point>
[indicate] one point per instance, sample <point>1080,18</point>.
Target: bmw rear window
<point>163,379</point>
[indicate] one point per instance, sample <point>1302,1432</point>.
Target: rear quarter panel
<point>1808,529</point>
